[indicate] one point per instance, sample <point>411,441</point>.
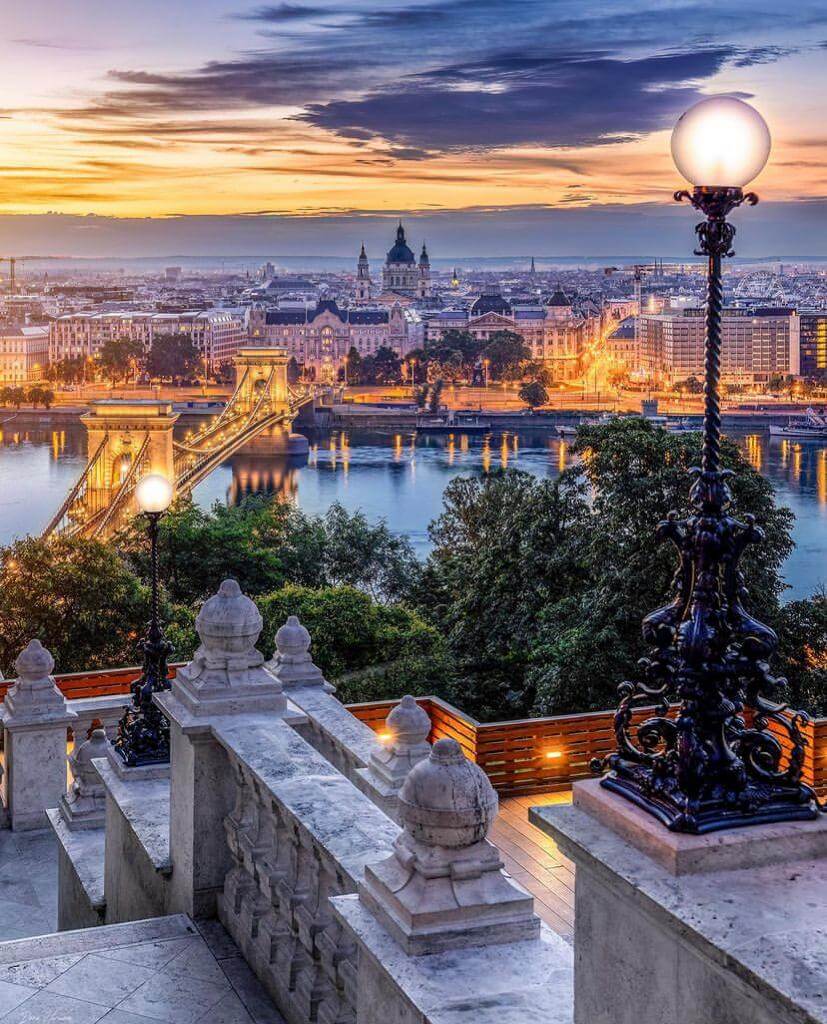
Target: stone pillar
<point>404,745</point>
<point>225,678</point>
<point>84,806</point>
<point>292,663</point>
<point>444,887</point>
<point>35,719</point>
<point>673,928</point>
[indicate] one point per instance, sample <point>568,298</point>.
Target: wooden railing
<point>541,755</point>
<point>102,683</point>
<point>527,756</point>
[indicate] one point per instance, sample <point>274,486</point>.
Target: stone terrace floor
<point>533,860</point>
<point>28,884</point>
<point>103,974</point>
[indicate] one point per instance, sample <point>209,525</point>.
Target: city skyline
<point>258,119</point>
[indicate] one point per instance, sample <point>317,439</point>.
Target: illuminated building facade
<point>217,333</point>
<point>756,344</point>
<point>554,332</point>
<point>813,343</point>
<point>24,355</point>
<point>320,338</point>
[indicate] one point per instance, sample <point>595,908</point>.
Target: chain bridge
<point>128,439</point>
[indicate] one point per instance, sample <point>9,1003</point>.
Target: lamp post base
<point>759,803</point>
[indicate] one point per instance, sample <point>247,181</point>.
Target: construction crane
<point>13,261</point>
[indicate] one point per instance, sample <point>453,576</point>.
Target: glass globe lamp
<point>721,143</point>
<point>153,493</point>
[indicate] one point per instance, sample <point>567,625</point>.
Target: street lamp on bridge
<point>711,767</point>
<point>143,732</point>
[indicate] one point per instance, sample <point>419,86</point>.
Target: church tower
<point>424,290</point>
<point>363,277</point>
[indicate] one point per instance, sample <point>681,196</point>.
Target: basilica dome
<point>400,253</point>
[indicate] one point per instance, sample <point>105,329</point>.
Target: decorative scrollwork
<point>696,763</point>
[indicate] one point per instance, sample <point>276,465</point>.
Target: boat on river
<point>810,426</point>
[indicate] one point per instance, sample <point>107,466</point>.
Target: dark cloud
<point>281,13</point>
<point>515,99</point>
<point>399,74</point>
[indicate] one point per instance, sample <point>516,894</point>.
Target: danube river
<point>396,476</point>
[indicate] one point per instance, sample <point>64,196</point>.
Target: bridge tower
<point>121,434</point>
<point>257,369</point>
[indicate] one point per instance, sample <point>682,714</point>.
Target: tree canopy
<point>118,357</point>
<point>173,356</point>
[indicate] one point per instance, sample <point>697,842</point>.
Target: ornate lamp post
<point>143,732</point>
<point>718,763</point>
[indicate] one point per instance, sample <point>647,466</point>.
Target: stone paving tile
<point>50,1008</point>
<point>196,961</point>
<point>39,972</point>
<point>121,1017</point>
<point>149,954</point>
<point>178,999</point>
<point>250,991</point>
<point>231,1011</point>
<point>13,995</point>
<point>28,884</point>
<point>101,980</point>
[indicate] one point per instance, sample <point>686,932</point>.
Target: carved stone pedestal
<point>683,929</point>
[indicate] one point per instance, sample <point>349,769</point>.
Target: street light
<point>143,732</point>
<point>707,769</point>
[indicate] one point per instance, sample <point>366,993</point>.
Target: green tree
<point>41,396</point>
<point>293,370</point>
<point>363,646</point>
<point>172,357</point>
<point>353,366</point>
<point>533,394</point>
<point>802,632</point>
<point>590,641</point>
<point>118,357</point>
<point>81,601</point>
<point>261,543</point>
<point>15,396</point>
<point>505,545</point>
<point>508,354</point>
<point>370,557</point>
<point>69,370</point>
<point>387,366</point>
<point>691,386</point>
<point>435,398</point>
<point>540,586</point>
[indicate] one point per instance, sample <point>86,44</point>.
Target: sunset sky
<point>175,108</point>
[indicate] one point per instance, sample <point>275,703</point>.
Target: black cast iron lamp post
<point>143,732</point>
<point>717,762</point>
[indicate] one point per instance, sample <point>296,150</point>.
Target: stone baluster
<point>35,720</point>
<point>404,744</point>
<point>292,663</point>
<point>225,678</point>
<point>328,726</point>
<point>443,887</point>
<point>84,806</point>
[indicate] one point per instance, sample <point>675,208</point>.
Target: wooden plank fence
<point>546,755</point>
<point>523,757</point>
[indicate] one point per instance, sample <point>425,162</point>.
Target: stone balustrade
<point>299,833</point>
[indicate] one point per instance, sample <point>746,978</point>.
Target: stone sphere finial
<point>447,800</point>
<point>34,662</point>
<point>228,621</point>
<point>292,638</point>
<point>408,723</point>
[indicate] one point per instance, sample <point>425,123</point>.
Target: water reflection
<point>397,475</point>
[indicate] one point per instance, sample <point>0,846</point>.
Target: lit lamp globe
<point>153,494</point>
<point>721,143</point>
